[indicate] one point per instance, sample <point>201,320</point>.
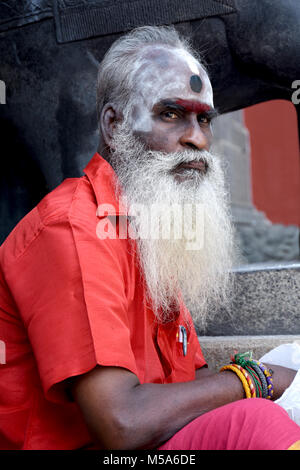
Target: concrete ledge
<point>218,349</point>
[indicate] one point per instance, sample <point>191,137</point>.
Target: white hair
<point>115,81</point>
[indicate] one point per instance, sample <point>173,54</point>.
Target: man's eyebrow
<point>187,105</point>
<point>170,104</point>
<point>197,107</point>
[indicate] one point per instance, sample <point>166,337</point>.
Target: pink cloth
<point>250,424</point>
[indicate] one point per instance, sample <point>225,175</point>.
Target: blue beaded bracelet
<point>268,374</point>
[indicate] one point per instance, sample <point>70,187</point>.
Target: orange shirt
<point>70,301</point>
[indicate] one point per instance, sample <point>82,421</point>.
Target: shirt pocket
<point>179,367</point>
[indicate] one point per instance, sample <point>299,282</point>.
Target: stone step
<point>266,302</point>
<point>218,349</point>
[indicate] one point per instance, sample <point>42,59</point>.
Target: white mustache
<point>169,161</point>
<point>164,162</point>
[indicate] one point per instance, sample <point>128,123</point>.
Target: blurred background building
<point>261,152</point>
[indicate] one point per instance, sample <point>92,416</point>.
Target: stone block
<point>266,302</point>
<point>218,349</point>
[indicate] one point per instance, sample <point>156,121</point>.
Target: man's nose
<point>196,138</point>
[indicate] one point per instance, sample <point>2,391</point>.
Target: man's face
<point>172,105</point>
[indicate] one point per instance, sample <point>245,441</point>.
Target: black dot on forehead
<point>196,83</point>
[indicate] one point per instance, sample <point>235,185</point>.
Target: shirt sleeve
<point>69,287</point>
<point>199,358</point>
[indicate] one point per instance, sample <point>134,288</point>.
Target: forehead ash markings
<point>156,79</point>
<point>194,106</point>
<point>196,83</point>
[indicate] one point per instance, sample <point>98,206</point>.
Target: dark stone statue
<point>50,51</point>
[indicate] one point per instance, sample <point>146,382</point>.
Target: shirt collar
<point>102,178</point>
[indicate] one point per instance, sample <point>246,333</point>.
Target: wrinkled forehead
<point>162,72</point>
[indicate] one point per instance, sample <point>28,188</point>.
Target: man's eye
<point>203,119</point>
<point>170,115</point>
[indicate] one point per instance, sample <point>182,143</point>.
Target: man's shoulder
<point>61,205</point>
<point>67,200</point>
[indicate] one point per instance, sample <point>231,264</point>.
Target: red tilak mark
<point>194,106</point>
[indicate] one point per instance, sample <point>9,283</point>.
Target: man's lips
<point>201,166</point>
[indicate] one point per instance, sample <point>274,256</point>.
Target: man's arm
<point>203,372</point>
<point>121,413</point>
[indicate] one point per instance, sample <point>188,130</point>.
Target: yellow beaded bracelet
<point>248,378</point>
<point>241,377</point>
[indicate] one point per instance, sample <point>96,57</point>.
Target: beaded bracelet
<point>248,378</point>
<point>241,377</point>
<point>262,379</point>
<point>256,380</point>
<point>268,374</point>
<point>265,375</point>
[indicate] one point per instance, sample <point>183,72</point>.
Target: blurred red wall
<point>275,160</point>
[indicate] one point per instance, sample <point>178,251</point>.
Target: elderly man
<point>101,351</point>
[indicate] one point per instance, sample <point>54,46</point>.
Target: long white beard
<point>202,275</point>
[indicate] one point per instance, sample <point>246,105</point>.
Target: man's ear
<point>108,120</point>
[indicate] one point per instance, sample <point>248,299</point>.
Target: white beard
<point>203,275</point>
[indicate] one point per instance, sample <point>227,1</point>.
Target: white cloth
<point>287,355</point>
